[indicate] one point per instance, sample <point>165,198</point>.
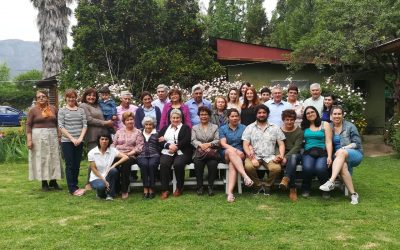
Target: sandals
<point>230,198</point>
<point>248,182</point>
<point>79,192</point>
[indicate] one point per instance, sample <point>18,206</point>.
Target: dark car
<point>10,116</point>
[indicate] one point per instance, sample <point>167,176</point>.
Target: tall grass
<point>13,145</point>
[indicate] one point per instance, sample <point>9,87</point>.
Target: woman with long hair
<point>233,99</point>
<point>248,114</point>
<point>42,137</point>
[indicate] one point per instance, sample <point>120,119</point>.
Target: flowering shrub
<point>13,144</point>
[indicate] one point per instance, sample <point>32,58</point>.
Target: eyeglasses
<point>310,112</point>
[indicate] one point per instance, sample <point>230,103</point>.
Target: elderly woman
<point>176,102</point>
<point>205,140</point>
<point>317,156</point>
<point>232,151</point>
<point>176,151</point>
<point>72,123</point>
<point>218,115</point>
<point>147,109</point>
<point>129,141</point>
<point>292,95</point>
<point>248,114</point>
<point>42,138</point>
<point>125,106</point>
<point>233,99</point>
<point>102,161</point>
<point>348,152</point>
<point>149,159</point>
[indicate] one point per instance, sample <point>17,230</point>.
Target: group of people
<point>242,130</point>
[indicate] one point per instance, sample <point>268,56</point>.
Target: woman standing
<point>42,138</point>
<point>317,156</point>
<point>248,114</point>
<point>102,161</point>
<point>128,141</point>
<point>233,99</point>
<point>218,116</point>
<point>232,151</point>
<point>176,102</point>
<point>176,151</point>
<point>243,88</point>
<point>149,159</point>
<point>147,109</point>
<point>72,123</point>
<point>348,152</point>
<point>205,139</point>
<point>329,101</point>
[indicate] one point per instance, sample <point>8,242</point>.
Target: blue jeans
<point>72,156</point>
<point>290,168</point>
<point>148,167</point>
<point>314,166</point>
<point>112,179</point>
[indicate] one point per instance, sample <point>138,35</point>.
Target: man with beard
<point>259,141</point>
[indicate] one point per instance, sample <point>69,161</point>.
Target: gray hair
<point>175,111</point>
<point>147,119</point>
<point>276,87</point>
<point>315,85</point>
<point>163,86</point>
<point>197,87</point>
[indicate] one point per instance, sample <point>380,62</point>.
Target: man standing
<point>126,99</point>
<point>162,93</point>
<point>259,141</point>
<point>195,102</point>
<point>316,100</point>
<point>265,94</point>
<point>276,106</point>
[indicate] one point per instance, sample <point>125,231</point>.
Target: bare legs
<point>235,159</point>
<point>339,166</point>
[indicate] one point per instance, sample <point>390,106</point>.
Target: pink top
<point>120,110</point>
<point>129,141</point>
<point>164,115</point>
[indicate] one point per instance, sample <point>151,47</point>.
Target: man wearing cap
<point>126,99</point>
<point>162,93</point>
<point>195,102</point>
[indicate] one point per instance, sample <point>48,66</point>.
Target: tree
<point>53,23</point>
<point>4,72</point>
<point>28,78</point>
<point>256,22</point>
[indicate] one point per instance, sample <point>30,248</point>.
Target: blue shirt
<point>193,108</point>
<point>314,139</point>
<point>109,108</point>
<point>233,137</point>
<point>275,109</point>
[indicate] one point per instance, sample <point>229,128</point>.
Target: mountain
<point>20,56</point>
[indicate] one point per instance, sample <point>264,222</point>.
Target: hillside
<point>20,56</point>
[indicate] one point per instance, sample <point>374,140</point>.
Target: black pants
<point>166,162</point>
<point>124,173</point>
<point>72,155</point>
<point>199,166</point>
<point>148,167</point>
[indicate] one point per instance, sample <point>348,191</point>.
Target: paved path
<point>374,145</point>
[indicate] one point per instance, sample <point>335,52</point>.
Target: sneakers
<point>284,183</point>
<point>354,199</point>
<point>259,190</point>
<point>328,186</point>
<point>293,194</point>
<point>109,198</point>
<point>305,194</point>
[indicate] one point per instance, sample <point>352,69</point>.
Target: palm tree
<point>53,22</point>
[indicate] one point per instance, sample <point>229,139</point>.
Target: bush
<point>13,145</point>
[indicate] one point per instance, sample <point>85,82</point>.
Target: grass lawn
<point>30,218</point>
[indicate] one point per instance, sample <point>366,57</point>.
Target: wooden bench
<point>224,181</point>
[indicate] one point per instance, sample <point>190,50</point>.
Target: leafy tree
<point>27,79</point>
<point>4,72</point>
<point>256,22</point>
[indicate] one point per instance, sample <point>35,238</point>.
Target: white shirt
<point>317,103</point>
<point>171,136</point>
<point>103,161</point>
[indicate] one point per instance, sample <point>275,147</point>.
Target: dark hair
<point>333,100</point>
<point>144,94</point>
<point>240,89</point>
<point>336,107</point>
<point>262,106</point>
<point>293,87</point>
<point>265,89</point>
<point>107,135</point>
<point>105,90</point>
<point>232,110</point>
<point>237,92</point>
<point>175,91</point>
<point>90,91</point>
<point>255,100</point>
<point>288,113</point>
<point>306,123</point>
<point>203,109</point>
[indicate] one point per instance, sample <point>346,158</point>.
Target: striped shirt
<point>73,121</point>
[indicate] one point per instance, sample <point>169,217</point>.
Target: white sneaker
<point>328,186</point>
<point>354,199</point>
<point>109,198</point>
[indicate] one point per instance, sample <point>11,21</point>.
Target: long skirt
<point>45,157</point>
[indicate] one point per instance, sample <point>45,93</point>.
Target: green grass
<point>30,218</point>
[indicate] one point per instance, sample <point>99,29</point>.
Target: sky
<point>18,19</point>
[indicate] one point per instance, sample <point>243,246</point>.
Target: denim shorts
<point>354,159</point>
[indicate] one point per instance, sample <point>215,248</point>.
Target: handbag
<point>208,154</point>
<point>316,152</point>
